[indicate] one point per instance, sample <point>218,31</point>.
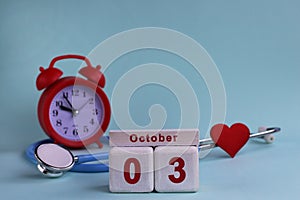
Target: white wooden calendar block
<point>131,169</point>
<point>176,169</point>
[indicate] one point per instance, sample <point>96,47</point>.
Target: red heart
<point>230,139</point>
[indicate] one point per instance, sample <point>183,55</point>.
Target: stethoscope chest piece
<point>53,160</point>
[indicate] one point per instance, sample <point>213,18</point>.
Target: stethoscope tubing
<point>82,161</point>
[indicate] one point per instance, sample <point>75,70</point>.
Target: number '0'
<point>137,170</point>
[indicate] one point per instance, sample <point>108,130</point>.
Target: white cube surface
<point>131,169</point>
<point>176,169</point>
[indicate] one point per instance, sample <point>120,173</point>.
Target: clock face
<point>76,112</point>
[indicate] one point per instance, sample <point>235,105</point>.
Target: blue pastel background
<point>255,45</point>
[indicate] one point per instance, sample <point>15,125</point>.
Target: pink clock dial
<point>76,112</point>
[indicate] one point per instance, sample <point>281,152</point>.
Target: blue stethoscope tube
<point>82,161</point>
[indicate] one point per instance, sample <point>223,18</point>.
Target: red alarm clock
<point>73,111</point>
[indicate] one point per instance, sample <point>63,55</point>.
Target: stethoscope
<point>53,160</point>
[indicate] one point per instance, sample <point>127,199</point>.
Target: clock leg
<point>100,145</point>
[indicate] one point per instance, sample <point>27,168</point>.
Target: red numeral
<point>179,169</point>
<point>137,170</point>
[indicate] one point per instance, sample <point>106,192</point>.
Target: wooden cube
<point>131,169</point>
<point>176,169</point>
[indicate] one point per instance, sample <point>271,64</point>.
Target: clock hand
<point>83,105</point>
<point>73,111</point>
<point>66,108</point>
<point>66,98</point>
